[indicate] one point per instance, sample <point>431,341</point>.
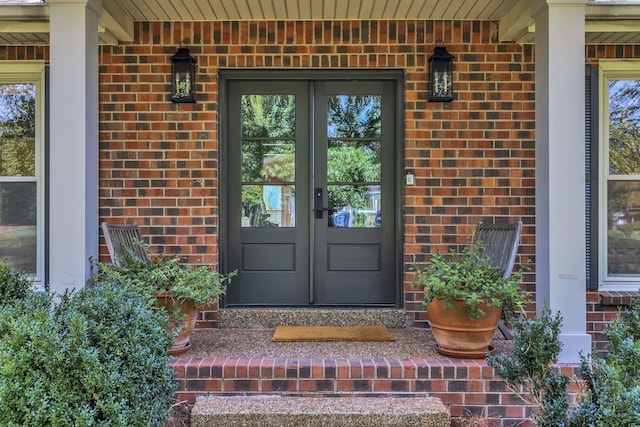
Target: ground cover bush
<point>96,357</point>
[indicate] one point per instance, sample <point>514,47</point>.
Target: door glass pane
<point>268,156</point>
<point>354,116</point>
<point>18,224</point>
<point>355,206</point>
<point>354,160</point>
<point>268,161</point>
<point>268,206</point>
<point>268,116</point>
<point>18,189</point>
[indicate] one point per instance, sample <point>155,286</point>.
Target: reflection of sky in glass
<point>624,100</point>
<point>12,93</point>
<point>361,108</point>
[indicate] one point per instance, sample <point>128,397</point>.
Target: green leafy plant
<point>612,397</point>
<point>165,274</point>
<point>96,357</point>
<point>469,277</point>
<point>528,370</point>
<point>14,285</point>
<point>610,384</point>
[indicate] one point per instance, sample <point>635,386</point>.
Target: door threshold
<point>271,317</point>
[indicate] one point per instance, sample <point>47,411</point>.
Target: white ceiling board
<point>281,9</point>
<point>122,13</point>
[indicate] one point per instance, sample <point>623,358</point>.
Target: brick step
<point>466,387</point>
<point>267,318</point>
<point>299,411</point>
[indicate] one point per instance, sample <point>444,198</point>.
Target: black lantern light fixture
<point>183,76</point>
<point>441,75</point>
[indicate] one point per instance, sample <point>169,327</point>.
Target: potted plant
<point>465,298</point>
<point>182,290</point>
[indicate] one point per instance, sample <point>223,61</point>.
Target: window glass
<point>18,182</point>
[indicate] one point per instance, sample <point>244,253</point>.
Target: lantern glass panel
<point>182,77</point>
<point>441,76</point>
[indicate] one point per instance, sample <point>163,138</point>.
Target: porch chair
<point>122,239</point>
<point>500,244</point>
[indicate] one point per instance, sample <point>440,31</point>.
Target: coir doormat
<point>332,333</point>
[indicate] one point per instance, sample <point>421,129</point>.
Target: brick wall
<point>473,158</point>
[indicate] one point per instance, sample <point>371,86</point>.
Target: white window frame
<point>610,70</point>
<point>33,72</point>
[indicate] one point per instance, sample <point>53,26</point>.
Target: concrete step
<point>268,318</point>
<point>300,411</point>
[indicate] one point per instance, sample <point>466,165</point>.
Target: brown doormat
<point>332,333</point>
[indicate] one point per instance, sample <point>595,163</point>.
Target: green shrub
<point>95,358</point>
<point>13,284</point>
<point>611,395</point>
<point>528,370</point>
<point>612,398</point>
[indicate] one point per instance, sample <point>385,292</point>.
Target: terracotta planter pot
<point>186,326</point>
<point>459,336</point>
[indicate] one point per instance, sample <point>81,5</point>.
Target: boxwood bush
<point>13,284</point>
<point>610,392</point>
<point>96,357</point>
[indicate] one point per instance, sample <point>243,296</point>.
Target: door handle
<point>317,203</point>
<point>319,211</point>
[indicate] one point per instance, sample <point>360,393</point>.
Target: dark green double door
<point>310,192</point>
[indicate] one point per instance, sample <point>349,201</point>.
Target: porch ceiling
<point>28,24</point>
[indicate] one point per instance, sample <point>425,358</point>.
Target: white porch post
<point>73,133</point>
<point>560,174</point>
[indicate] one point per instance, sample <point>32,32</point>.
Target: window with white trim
<point>22,227</point>
<point>619,218</point>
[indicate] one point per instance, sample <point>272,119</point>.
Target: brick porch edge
<point>467,387</point>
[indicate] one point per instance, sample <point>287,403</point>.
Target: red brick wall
<point>473,158</point>
<point>24,53</point>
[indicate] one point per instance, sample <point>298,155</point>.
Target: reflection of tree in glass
<point>267,116</point>
<point>266,155</point>
<point>18,203</point>
<point>354,128</point>
<point>17,129</point>
<point>624,127</point>
<point>623,235</point>
<point>623,196</point>
<point>354,116</point>
<point>347,164</point>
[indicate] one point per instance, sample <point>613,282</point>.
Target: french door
<point>310,192</point>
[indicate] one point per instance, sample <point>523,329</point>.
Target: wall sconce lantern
<point>183,76</point>
<point>441,75</point>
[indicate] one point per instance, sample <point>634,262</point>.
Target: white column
<point>73,134</point>
<point>560,173</point>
